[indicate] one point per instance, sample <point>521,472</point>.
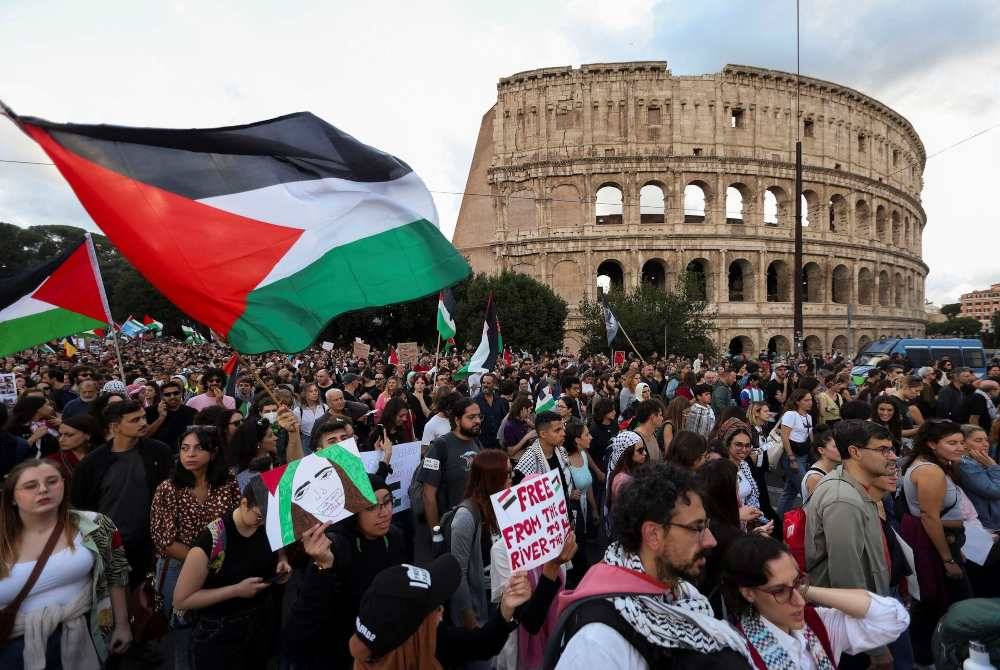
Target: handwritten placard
<point>619,359</point>
<point>361,349</point>
<point>533,520</point>
<point>404,462</point>
<point>407,352</point>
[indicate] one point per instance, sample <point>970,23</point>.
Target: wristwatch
<point>949,560</point>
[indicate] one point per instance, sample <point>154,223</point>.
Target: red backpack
<point>794,533</point>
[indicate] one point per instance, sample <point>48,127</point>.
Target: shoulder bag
<point>9,613</point>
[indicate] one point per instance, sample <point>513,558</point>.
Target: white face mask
<point>270,416</point>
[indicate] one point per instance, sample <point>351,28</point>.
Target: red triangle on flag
<point>393,358</point>
<point>73,287</point>
<point>271,478</point>
<point>230,365</point>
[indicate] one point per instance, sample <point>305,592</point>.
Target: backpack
<point>416,489</point>
<point>448,517</point>
<point>794,532</point>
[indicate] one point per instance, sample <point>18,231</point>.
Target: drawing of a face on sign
<point>322,491</point>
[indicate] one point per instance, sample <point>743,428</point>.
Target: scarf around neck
<point>771,651</point>
<point>681,619</point>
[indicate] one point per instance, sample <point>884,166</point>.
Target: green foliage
<point>532,316</point>
<point>951,310</point>
<point>965,326</point>
<point>644,313</point>
<point>128,291</point>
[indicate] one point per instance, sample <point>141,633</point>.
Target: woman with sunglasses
<point>789,624</point>
<point>200,490</point>
<point>225,577</point>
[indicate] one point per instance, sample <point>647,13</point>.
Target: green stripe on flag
<point>285,502</point>
<point>27,331</point>
<point>402,264</point>
<point>353,466</point>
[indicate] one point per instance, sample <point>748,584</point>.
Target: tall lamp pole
<point>797,325</point>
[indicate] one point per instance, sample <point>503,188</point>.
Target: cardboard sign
<point>404,462</point>
<point>407,353</point>
<point>619,359</point>
<point>361,350</point>
<point>533,520</point>
<point>328,485</point>
<point>8,389</point>
<point>327,346</point>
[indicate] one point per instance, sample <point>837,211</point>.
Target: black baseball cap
<point>400,598</point>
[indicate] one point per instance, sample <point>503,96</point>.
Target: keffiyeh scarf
<point>681,619</point>
<point>619,445</point>
<point>773,654</point>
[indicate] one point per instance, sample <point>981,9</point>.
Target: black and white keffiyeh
<point>681,619</point>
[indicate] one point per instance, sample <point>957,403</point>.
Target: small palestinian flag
<point>393,357</point>
<point>59,298</point>
<point>446,314</point>
<point>328,485</point>
<point>546,402</point>
<point>449,345</point>
<point>132,328</point>
<point>484,359</point>
<point>507,498</point>
<point>263,232</point>
<point>152,324</point>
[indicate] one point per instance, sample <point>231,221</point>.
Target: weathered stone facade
<point>566,155</point>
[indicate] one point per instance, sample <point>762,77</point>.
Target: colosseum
<point>626,172</point>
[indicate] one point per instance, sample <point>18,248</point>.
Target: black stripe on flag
<point>15,286</point>
<point>201,163</point>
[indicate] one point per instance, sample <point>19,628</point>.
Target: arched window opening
<point>838,214</point>
<point>862,219</point>
<point>654,274</point>
<point>897,230</point>
<point>609,206</point>
<point>866,287</point>
<point>778,344</point>
<point>813,345</point>
<point>698,273</point>
<point>610,276</point>
<point>695,203</point>
<point>775,206</point>
<point>841,288</point>
<point>880,224</point>
<point>735,201</point>
<point>651,204</point>
<point>810,208</point>
<point>741,344</point>
<point>778,282</point>
<point>839,345</point>
<point>884,289</point>
<point>812,283</point>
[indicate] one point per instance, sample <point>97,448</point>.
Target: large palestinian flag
<point>262,232</point>
<point>62,297</point>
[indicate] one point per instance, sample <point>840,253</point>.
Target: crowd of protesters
<point>138,495</point>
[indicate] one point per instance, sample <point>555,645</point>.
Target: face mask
<point>270,416</point>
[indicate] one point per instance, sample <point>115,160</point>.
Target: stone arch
<point>862,220</point>
<point>813,345</point>
<point>775,206</point>
<point>741,344</point>
<point>839,344</point>
<point>812,283</point>
<point>884,289</point>
<point>779,344</point>
<point>737,198</point>
<point>697,201</point>
<point>837,213</point>
<point>840,289</point>
<point>654,273</point>
<point>741,281</point>
<point>880,224</point>
<point>898,290</point>
<point>567,281</point>
<point>521,211</point>
<point>699,270</point>
<point>565,206</point>
<point>610,275</point>
<point>609,205</point>
<point>810,208</point>
<point>897,229</point>
<point>863,342</point>
<point>652,203</point>
<point>779,281</point>
<point>866,287</point>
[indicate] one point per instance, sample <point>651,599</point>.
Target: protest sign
<point>619,359</point>
<point>404,462</point>
<point>8,389</point>
<point>533,520</point>
<point>327,346</point>
<point>328,485</point>
<point>407,353</point>
<point>361,350</point>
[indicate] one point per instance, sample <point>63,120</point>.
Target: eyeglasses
<point>700,530</point>
<point>381,505</point>
<point>885,451</point>
<point>782,594</point>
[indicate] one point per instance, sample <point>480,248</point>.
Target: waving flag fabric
<point>262,232</point>
<point>62,297</point>
<point>484,359</point>
<point>446,314</point>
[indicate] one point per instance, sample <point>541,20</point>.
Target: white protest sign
<point>404,462</point>
<point>327,346</point>
<point>8,388</point>
<point>533,520</point>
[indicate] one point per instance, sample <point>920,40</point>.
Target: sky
<point>415,78</point>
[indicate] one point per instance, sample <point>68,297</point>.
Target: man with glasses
<point>171,416</point>
<point>663,540</point>
<point>845,546</point>
<point>214,380</point>
<point>344,561</point>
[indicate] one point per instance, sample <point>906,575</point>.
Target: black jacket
<point>949,402</point>
<point>157,458</point>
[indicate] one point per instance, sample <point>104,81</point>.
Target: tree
<point>951,310</point>
<point>649,314</point>
<point>965,326</point>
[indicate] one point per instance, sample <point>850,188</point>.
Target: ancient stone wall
<point>624,171</point>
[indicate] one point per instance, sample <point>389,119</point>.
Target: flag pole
<point>437,355</point>
<point>118,351</point>
<point>257,378</point>
<point>622,328</point>
<point>92,255</point>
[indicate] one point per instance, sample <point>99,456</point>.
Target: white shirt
<point>598,645</point>
<point>885,621</point>
<point>801,426</point>
<point>435,427</point>
<point>65,575</point>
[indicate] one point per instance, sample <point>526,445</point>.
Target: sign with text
<point>8,388</point>
<point>361,350</point>
<point>619,359</point>
<point>408,353</point>
<point>533,520</point>
<point>404,462</point>
<point>327,346</point>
